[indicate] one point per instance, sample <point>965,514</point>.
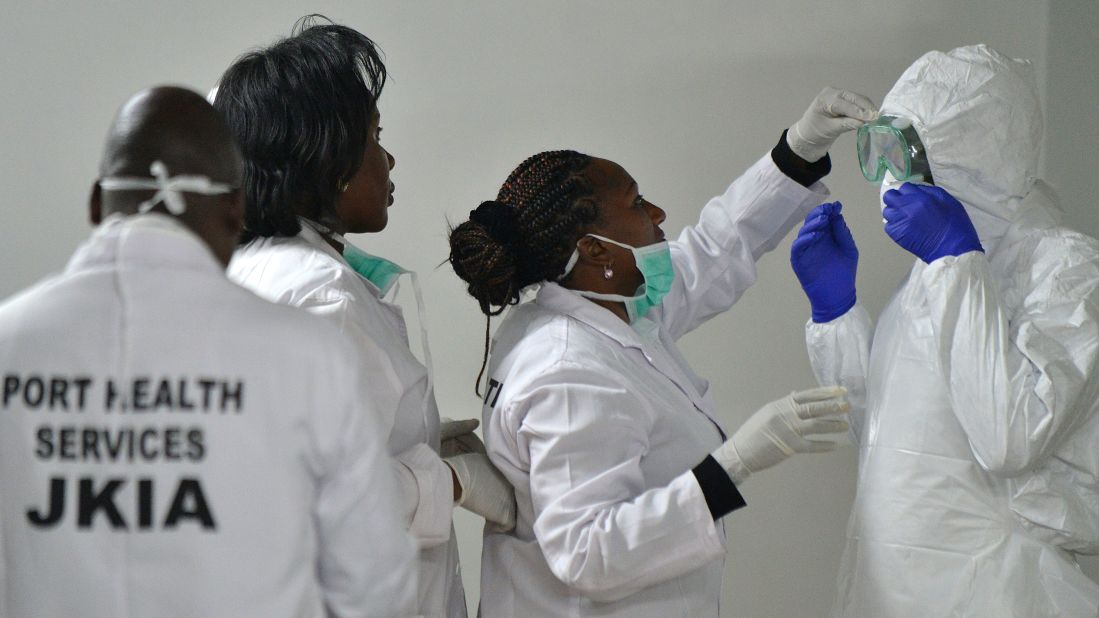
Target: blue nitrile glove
<point>825,258</point>
<point>928,222</point>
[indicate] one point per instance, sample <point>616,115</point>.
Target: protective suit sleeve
<point>424,482</point>
<point>715,259</point>
<point>602,529</point>
<point>367,559</point>
<point>839,352</point>
<point>1016,386</point>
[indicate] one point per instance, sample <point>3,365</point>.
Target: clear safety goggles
<point>891,143</point>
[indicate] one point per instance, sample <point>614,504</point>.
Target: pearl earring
<point>608,272</point>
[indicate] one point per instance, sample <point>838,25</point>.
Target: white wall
<point>684,95</point>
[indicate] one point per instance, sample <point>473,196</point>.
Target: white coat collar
<point>150,240</point>
<point>313,238</point>
<point>562,300</point>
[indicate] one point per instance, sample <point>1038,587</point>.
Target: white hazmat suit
<point>975,399</point>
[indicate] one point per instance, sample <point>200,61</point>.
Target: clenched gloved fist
<point>824,258</point>
<point>779,429</point>
<point>831,114</point>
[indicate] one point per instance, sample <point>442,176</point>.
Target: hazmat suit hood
<point>980,120</point>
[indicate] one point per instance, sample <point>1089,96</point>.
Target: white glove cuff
<point>461,472</point>
<point>805,148</point>
<point>729,459</point>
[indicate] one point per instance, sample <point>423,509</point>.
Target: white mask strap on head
<point>169,189</point>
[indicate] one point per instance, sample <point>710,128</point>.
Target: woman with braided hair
<point>622,472</point>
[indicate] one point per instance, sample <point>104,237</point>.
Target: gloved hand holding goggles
<point>891,142</point>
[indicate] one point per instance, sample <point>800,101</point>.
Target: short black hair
<point>301,111</point>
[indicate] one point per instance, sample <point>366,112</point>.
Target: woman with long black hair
<point>305,111</point>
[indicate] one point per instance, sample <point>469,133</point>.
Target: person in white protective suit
<point>160,453</point>
<point>622,470</point>
<point>975,398</point>
<point>305,112</point>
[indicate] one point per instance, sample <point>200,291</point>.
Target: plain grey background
<point>684,95</point>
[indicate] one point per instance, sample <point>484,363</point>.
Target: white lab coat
<point>976,399</point>
<point>305,271</point>
<point>598,425</point>
<point>277,465</point>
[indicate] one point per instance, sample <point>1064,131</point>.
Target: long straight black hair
<point>301,111</point>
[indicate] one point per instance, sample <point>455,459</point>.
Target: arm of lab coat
<point>715,259</point>
<point>839,352</point>
<point>366,557</point>
<point>425,485</point>
<point>1017,388</point>
<point>603,531</point>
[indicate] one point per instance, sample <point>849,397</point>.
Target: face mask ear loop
<point>421,312</point>
<point>573,259</point>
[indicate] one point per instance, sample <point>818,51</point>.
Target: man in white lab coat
<point>305,113</point>
<point>160,452</point>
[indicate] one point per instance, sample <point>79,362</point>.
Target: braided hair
<point>527,234</point>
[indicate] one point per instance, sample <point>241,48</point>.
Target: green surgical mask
<point>379,271</point>
<point>655,264</point>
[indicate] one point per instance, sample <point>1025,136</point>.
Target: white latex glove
<point>484,490</point>
<point>831,114</point>
<point>457,437</point>
<point>777,431</point>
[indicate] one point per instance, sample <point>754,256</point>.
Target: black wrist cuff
<point>799,170</point>
<point>722,496</point>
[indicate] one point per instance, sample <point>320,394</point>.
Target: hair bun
<point>500,219</point>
